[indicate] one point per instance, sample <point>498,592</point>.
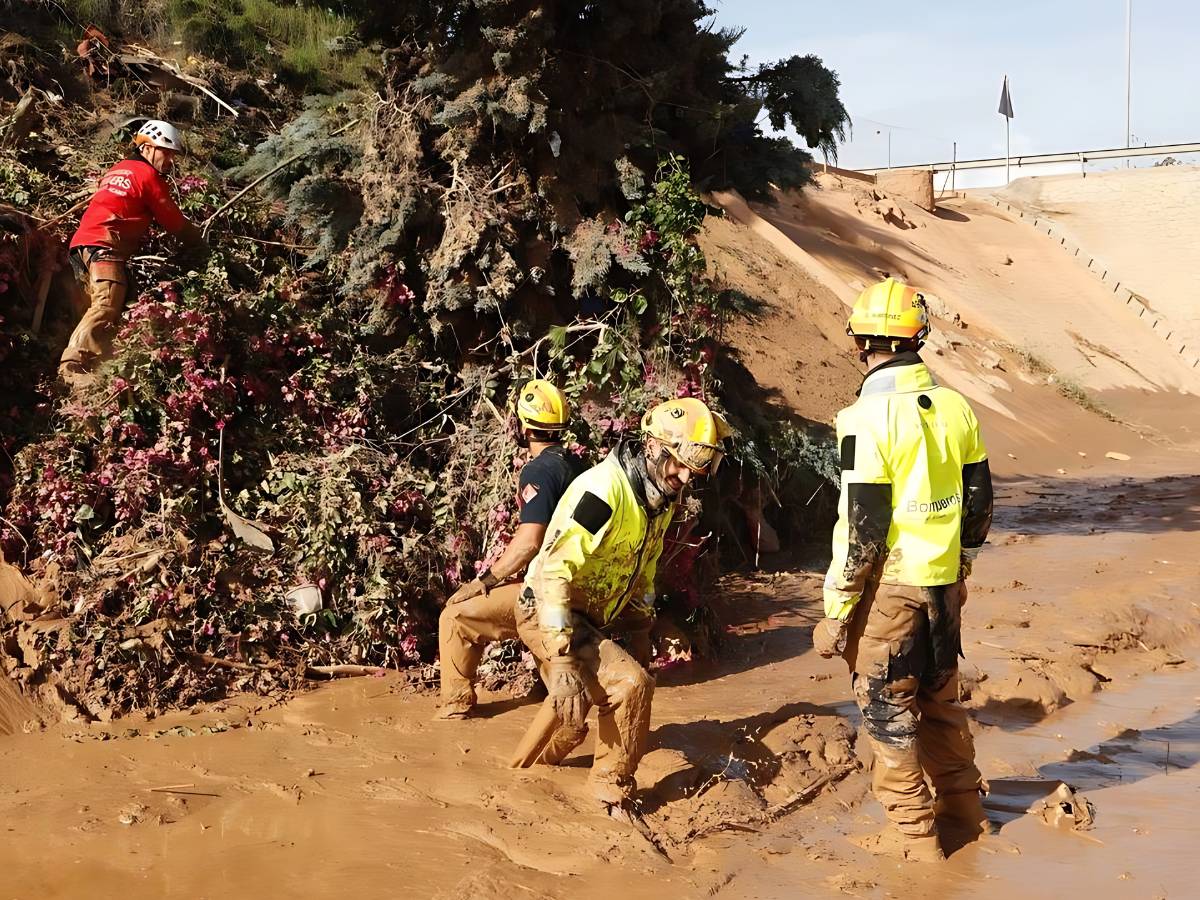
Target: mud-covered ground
<point>1079,667</point>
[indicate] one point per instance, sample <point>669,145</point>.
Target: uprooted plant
<point>337,423</point>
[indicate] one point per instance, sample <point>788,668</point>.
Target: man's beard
<point>646,483</point>
<point>657,482</point>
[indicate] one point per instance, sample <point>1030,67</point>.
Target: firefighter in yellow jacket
<point>915,507</point>
<point>592,585</point>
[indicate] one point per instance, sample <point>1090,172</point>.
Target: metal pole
<point>1128,73</point>
<point>1007,151</point>
<point>953,166</point>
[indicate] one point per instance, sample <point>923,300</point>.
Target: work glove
<point>829,637</point>
<point>567,691</point>
<point>962,592</point>
<point>472,588</point>
<point>966,561</point>
<point>240,274</point>
<point>196,249</point>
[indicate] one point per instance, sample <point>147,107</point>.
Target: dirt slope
<point>794,343</point>
<point>999,285</point>
<point>797,349</point>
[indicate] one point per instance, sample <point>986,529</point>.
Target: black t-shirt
<point>543,482</point>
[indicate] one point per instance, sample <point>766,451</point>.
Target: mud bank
<point>1074,636</point>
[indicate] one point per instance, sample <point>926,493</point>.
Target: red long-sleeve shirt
<point>132,194</point>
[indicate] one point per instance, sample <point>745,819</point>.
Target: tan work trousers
<point>622,692</point>
<point>464,631</point>
<point>903,654</point>
<point>107,287</point>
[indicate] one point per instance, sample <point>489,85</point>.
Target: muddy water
<point>1132,751</point>
<point>353,790</point>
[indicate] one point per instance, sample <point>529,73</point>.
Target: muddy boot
<point>612,792</point>
<point>454,709</point>
<point>76,375</point>
<point>547,742</point>
<point>962,814</point>
<point>893,843</point>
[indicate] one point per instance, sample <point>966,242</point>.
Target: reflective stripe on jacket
<point>600,552</point>
<point>916,489</point>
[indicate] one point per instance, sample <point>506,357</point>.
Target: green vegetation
<point>1072,390</point>
<point>306,43</point>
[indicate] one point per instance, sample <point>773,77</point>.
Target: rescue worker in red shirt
<point>131,195</point>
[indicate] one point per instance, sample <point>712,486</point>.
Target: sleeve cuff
<point>839,604</point>
<point>966,561</point>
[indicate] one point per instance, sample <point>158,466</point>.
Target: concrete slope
<point>1141,225</point>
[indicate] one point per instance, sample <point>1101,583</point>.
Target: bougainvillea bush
<point>265,431</point>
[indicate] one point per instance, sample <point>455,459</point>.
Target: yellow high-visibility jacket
<point>916,496</point>
<point>600,552</point>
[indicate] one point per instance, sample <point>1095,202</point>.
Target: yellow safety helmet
<point>542,406</point>
<point>891,311</point>
<point>691,432</point>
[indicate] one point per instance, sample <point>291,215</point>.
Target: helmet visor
<point>703,459</point>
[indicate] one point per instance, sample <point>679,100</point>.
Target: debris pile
<point>320,411</point>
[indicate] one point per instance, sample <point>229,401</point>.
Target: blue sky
<point>933,70</point>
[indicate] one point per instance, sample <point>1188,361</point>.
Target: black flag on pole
<point>1005,109</point>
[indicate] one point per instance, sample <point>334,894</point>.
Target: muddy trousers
<point>107,287</point>
<point>464,631</point>
<point>622,692</point>
<point>903,654</point>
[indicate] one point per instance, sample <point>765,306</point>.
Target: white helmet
<point>159,134</point>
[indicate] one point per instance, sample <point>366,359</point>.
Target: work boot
<point>896,844</point>
<point>455,709</point>
<point>612,792</point>
<point>75,375</point>
<point>962,813</point>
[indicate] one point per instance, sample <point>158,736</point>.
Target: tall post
<point>1128,74</point>
<point>1007,151</point>
<point>953,166</point>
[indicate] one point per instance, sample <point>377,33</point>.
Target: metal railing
<point>1081,156</point>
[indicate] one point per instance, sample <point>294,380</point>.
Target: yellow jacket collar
<point>905,374</point>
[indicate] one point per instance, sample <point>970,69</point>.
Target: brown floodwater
<point>1079,638</point>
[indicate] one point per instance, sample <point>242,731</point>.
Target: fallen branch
<point>246,237</point>
<point>43,292</point>
<point>257,181</point>
<point>344,669</point>
<point>808,793</point>
<point>78,206</point>
<point>1017,654</point>
<point>634,819</point>
<point>205,659</point>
